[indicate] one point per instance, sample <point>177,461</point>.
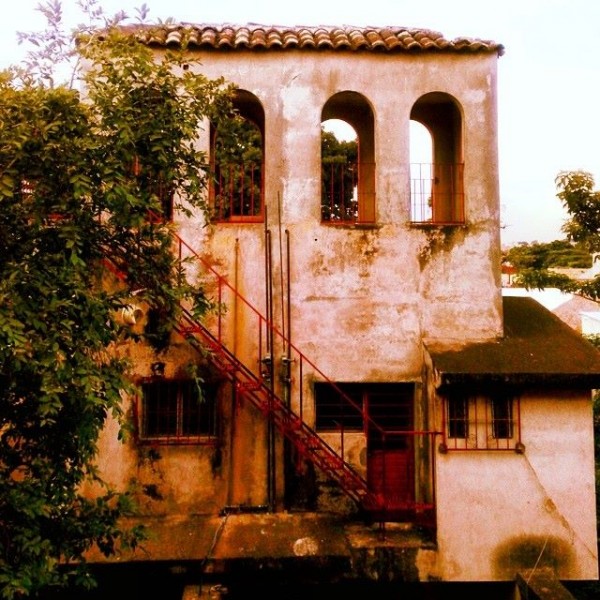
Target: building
<point>370,407</point>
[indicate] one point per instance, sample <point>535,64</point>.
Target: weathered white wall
<point>363,297</point>
<point>503,512</point>
<point>374,291</point>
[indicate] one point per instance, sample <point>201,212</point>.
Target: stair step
<point>249,386</point>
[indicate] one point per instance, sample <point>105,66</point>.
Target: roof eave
<point>573,381</point>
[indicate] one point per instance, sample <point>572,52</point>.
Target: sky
<point>548,77</point>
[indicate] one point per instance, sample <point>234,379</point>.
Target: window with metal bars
<point>238,191</point>
<point>345,406</point>
<point>437,174</point>
<point>347,165</point>
<point>177,411</point>
<point>436,192</point>
<point>482,422</point>
<point>338,406</point>
<point>237,159</point>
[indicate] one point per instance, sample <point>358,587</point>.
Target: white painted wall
<point>498,509</point>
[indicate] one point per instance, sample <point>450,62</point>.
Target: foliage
<point>80,181</point>
<point>338,178</point>
<point>558,253</point>
<point>238,168</point>
<point>576,192</point>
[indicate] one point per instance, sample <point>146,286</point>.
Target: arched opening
<point>339,172</point>
<point>347,162</point>
<point>421,176</point>
<point>437,190</point>
<point>237,158</point>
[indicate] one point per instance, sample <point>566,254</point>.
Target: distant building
<point>581,274</point>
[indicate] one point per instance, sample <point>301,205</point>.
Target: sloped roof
<point>537,348</point>
<point>570,311</point>
<point>254,36</point>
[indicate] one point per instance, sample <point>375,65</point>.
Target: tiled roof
<point>537,347</point>
<point>275,37</point>
<point>570,311</point>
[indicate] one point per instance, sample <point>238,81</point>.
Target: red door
<point>390,454</point>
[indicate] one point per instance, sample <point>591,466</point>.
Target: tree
<point>582,202</point>
<point>238,168</point>
<point>338,178</point>
<point>85,190</point>
<point>540,255</point>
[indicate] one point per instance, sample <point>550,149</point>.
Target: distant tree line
<point>540,255</point>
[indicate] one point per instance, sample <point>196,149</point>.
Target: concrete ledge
<point>303,546</point>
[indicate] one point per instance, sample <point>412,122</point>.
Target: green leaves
<point>534,262</point>
<point>79,179</point>
<point>582,202</point>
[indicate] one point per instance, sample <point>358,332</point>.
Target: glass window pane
<point>338,406</point>
<point>458,417</point>
<point>502,420</point>
<point>159,409</point>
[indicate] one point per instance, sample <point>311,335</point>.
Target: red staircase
<point>252,385</point>
<point>261,389</point>
<point>253,388</point>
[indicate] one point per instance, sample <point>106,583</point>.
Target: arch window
<point>347,162</point>
<point>237,190</point>
<point>436,170</point>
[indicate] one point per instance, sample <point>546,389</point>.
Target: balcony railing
<point>237,192</point>
<point>437,193</point>
<point>347,192</point>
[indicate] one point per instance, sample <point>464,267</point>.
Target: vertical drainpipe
<point>284,373</point>
<point>234,403</point>
<point>268,359</point>
<point>289,318</point>
<point>287,357</point>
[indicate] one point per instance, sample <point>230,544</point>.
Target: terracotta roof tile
<point>288,38</point>
<point>338,38</point>
<point>306,38</point>
<point>274,39</point>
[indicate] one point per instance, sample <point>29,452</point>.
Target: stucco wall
<point>502,512</point>
<point>373,290</point>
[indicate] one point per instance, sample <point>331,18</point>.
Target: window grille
<point>177,411</point>
<point>238,192</point>
<point>344,406</point>
<point>339,191</point>
<point>489,422</point>
<point>436,192</point>
<point>338,406</point>
<point>346,195</point>
<point>458,418</point>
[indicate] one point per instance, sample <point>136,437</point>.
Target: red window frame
<point>482,421</point>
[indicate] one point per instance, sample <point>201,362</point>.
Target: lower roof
<point>537,348</point>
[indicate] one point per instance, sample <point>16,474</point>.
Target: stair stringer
<point>254,389</point>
